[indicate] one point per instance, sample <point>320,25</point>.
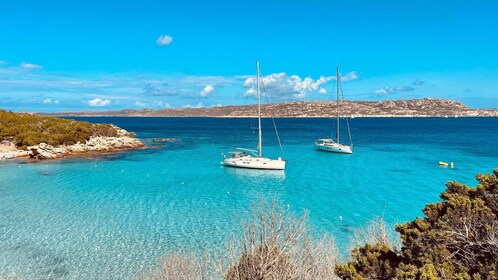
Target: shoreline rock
<point>99,144</point>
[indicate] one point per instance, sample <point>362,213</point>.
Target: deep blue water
<point>113,216</point>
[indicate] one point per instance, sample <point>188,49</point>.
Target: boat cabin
<point>237,154</point>
<point>325,141</point>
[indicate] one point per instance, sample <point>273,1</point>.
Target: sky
<point>109,55</point>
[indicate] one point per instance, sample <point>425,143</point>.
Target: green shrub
<point>457,239</point>
<point>27,130</point>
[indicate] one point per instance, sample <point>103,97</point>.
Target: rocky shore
<point>43,151</point>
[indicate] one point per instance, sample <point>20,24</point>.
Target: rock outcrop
<point>95,144</point>
<point>9,151</point>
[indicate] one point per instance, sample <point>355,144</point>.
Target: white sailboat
<point>334,145</point>
<point>253,159</point>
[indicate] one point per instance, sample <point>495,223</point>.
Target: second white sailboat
<point>334,145</point>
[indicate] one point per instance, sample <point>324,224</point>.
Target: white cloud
<point>198,105</point>
<point>160,104</point>
<point>350,76</point>
<point>140,104</point>
<point>217,105</point>
<point>50,101</point>
<point>380,91</point>
<point>97,102</point>
<point>418,82</point>
<point>164,40</point>
<point>281,85</point>
<point>397,89</point>
<point>30,65</point>
<point>206,91</point>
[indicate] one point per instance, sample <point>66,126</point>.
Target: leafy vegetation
<point>28,130</point>
<point>457,239</point>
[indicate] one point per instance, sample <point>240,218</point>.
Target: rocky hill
<point>27,135</point>
<point>389,108</point>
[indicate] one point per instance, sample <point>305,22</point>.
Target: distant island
<point>40,137</point>
<point>427,107</point>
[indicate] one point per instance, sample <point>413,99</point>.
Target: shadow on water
<point>347,228</point>
<point>174,144</point>
<point>400,170</point>
<point>48,265</point>
<point>46,173</point>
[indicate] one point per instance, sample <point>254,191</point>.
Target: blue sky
<point>103,55</point>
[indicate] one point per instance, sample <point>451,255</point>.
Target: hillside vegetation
<point>456,239</point>
<point>28,130</point>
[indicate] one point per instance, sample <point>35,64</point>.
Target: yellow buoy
<point>452,165</point>
<point>442,163</point>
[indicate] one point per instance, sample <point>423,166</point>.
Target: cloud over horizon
<point>25,89</point>
<point>97,102</point>
<point>161,90</point>
<point>50,101</point>
<point>389,90</point>
<point>198,105</point>
<point>30,65</point>
<point>281,85</point>
<point>208,89</point>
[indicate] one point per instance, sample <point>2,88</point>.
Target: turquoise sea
<point>113,216</point>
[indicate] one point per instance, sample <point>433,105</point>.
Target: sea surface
<point>113,216</point>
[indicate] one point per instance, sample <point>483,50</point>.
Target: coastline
<point>280,117</point>
<point>427,107</point>
<point>95,145</point>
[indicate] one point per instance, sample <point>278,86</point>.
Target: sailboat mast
<point>338,87</point>
<point>260,144</point>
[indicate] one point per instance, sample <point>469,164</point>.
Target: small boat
<point>253,159</point>
<point>334,145</point>
<point>445,164</point>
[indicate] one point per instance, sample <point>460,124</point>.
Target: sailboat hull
<point>255,163</point>
<point>334,148</point>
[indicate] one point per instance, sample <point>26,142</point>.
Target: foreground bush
<point>28,130</point>
<point>278,245</point>
<point>275,245</point>
<point>181,266</point>
<point>457,239</point>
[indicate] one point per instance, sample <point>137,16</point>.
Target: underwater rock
<point>161,140</point>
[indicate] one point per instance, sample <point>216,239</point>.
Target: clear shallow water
<point>113,216</point>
